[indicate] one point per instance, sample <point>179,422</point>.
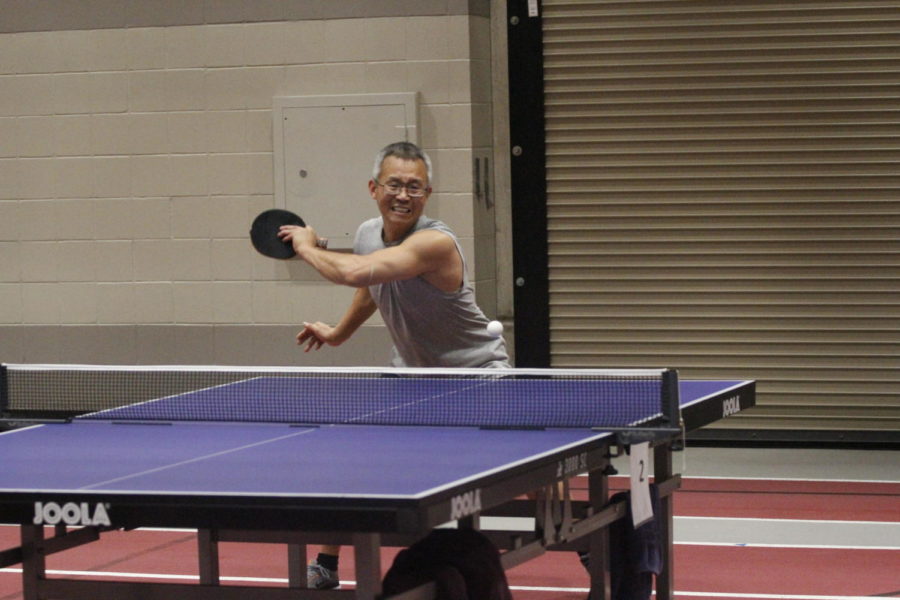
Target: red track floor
<point>701,571</point>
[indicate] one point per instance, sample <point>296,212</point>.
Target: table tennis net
<point>501,398</point>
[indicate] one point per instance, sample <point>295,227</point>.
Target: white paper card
<point>641,507</point>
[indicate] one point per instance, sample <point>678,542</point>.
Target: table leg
<point>367,551</point>
<point>208,555</point>
<point>297,565</point>
<point>34,562</point>
<point>598,494</point>
<point>662,471</point>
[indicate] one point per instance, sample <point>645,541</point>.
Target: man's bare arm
<point>423,253</point>
<point>316,334</point>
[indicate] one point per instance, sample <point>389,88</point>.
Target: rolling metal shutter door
<point>724,197</point>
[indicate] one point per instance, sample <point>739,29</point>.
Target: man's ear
<point>372,187</point>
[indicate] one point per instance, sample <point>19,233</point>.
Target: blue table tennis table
<point>296,470</point>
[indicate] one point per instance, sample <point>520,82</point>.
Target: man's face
<point>399,210</point>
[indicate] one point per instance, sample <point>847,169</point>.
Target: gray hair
<point>402,150</point>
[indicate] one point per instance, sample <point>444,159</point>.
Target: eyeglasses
<point>413,189</point>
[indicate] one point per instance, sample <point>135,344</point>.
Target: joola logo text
<point>731,406</point>
<point>465,504</point>
<point>70,513</point>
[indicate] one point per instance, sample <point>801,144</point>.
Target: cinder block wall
<point>136,145</point>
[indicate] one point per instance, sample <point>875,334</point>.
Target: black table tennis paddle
<point>264,233</point>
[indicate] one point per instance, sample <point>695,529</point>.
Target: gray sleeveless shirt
<point>430,327</point>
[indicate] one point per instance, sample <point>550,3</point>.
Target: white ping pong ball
<point>495,328</point>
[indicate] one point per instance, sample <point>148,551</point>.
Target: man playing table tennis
<point>411,268</point>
